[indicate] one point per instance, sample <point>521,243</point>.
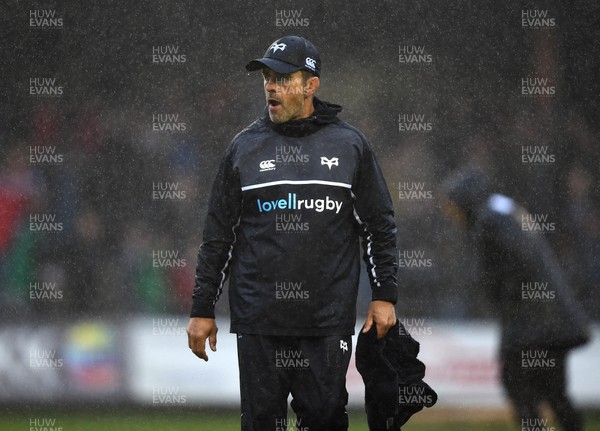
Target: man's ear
<point>312,85</point>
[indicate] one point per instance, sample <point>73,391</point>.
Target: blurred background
<point>114,117</point>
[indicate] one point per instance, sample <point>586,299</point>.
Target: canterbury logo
<point>267,165</point>
<point>277,46</point>
<point>310,63</point>
<point>329,162</point>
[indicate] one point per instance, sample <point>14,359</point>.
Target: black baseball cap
<point>287,55</point>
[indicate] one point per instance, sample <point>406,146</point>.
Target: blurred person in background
<point>540,320</point>
<point>584,227</point>
<point>19,246</point>
<point>298,166</point>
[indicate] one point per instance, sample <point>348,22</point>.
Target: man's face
<point>285,94</point>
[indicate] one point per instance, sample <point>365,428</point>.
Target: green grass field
<point>189,420</point>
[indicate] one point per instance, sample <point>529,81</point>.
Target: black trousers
<point>529,380</point>
<point>311,369</point>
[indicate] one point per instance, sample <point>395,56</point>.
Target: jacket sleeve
<point>214,254</point>
<point>374,211</point>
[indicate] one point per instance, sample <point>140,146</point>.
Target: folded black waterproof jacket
<point>393,378</point>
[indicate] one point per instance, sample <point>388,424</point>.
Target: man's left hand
<point>383,314</point>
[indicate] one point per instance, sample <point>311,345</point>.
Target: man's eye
<point>280,78</point>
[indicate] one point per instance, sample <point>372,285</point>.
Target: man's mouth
<point>272,102</point>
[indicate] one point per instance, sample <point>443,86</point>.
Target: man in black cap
<point>295,191</point>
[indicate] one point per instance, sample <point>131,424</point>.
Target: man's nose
<point>271,84</point>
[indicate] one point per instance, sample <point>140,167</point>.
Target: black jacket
<point>519,270</point>
<point>285,214</point>
<point>393,377</point>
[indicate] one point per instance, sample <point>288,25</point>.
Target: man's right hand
<point>198,330</point>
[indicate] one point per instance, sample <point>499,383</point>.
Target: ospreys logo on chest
<point>334,161</point>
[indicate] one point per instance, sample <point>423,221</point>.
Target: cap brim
<point>273,64</point>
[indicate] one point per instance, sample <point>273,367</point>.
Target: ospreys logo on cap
<point>287,55</point>
<point>277,46</point>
